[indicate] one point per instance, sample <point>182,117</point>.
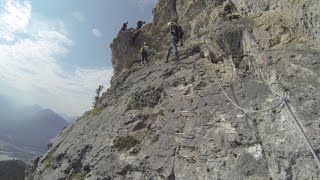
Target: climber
<point>137,31</point>
<point>140,24</point>
<point>144,51</point>
<point>124,26</point>
<point>176,33</point>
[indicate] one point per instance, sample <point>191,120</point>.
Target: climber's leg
<point>169,52</point>
<point>142,58</point>
<point>175,49</point>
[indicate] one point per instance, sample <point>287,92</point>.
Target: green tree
<point>97,97</point>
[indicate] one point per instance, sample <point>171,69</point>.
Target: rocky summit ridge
<point>172,120</point>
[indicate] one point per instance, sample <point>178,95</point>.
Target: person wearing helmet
<point>144,51</point>
<point>175,37</point>
<point>140,24</point>
<point>124,26</point>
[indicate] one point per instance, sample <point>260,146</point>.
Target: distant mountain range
<point>69,119</point>
<point>25,131</point>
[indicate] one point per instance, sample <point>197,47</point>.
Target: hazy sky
<point>55,53</point>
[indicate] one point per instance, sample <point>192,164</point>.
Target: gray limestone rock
<point>182,124</point>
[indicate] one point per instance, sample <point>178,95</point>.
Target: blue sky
<point>55,53</point>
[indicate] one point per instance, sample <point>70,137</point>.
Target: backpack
<point>143,49</point>
<point>179,31</point>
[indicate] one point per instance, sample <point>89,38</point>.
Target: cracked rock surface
<point>172,121</point>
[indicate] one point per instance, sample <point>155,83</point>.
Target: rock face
<point>172,120</point>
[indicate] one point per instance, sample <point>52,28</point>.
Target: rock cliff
<point>173,121</point>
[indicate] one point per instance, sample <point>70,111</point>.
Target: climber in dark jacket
<point>137,31</point>
<point>124,26</point>
<point>140,24</point>
<point>174,41</point>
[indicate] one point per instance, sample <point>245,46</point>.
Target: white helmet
<point>169,23</point>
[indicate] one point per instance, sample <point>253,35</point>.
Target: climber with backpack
<point>140,24</point>
<point>144,51</point>
<point>137,31</point>
<point>176,34</point>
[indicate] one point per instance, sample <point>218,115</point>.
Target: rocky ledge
<point>173,121</point>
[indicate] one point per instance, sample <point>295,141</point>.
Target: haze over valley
<point>26,131</point>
